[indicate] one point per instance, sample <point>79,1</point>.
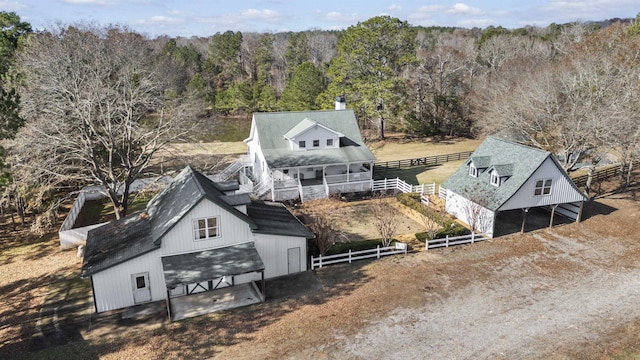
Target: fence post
<point>447,241</point>
<point>378,247</point>
<point>349,256</point>
<point>312,263</point>
<point>472,236</point>
<point>320,265</point>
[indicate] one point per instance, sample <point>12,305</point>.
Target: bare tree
<point>385,219</point>
<point>93,100</point>
<point>318,219</point>
<point>432,223</point>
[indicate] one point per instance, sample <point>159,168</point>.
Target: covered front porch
<point>320,181</point>
<point>214,272</point>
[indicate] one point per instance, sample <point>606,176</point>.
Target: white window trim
<point>473,170</point>
<point>195,228</point>
<point>495,179</point>
<point>543,187</point>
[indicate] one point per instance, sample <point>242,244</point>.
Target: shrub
<point>449,226</point>
<point>454,229</point>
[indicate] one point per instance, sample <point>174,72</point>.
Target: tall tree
<point>305,85</point>
<point>88,97</point>
<point>368,69</point>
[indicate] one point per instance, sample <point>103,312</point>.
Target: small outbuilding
<point>502,175</point>
<point>195,236</point>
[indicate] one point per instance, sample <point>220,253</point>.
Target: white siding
<point>273,251</point>
<point>180,238</point>
<point>315,133</point>
<point>459,206</point>
<point>113,288</point>
<point>562,191</point>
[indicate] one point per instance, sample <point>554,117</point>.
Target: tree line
<point>84,103</point>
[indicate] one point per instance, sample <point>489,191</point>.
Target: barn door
<point>293,257</point>
<point>141,289</point>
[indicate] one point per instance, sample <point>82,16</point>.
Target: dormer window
<point>495,179</point>
<point>302,144</point>
<point>473,171</point>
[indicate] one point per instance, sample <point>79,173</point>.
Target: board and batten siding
<point>457,205</point>
<point>113,288</point>
<point>562,190</point>
<point>273,251</point>
<point>180,239</point>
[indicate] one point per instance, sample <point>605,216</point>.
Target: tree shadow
<point>202,336</point>
<point>409,175</point>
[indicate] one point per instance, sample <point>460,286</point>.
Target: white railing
<point>401,185</point>
<point>320,261</point>
<point>456,240</point>
<point>442,192</point>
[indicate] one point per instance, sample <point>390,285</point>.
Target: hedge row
<point>449,226</point>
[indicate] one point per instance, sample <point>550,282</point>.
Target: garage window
<point>543,187</point>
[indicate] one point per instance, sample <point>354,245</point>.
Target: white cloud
<point>264,15</point>
<point>463,9</point>
<point>335,16</point>
<point>11,5</point>
<point>395,7</point>
<point>480,23</point>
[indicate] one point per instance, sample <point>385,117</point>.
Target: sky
<point>188,18</point>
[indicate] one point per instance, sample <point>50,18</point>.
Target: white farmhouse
<point>306,155</point>
<point>501,175</point>
<point>195,236</point>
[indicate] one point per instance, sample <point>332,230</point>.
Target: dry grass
<point>354,296</point>
<point>397,148</point>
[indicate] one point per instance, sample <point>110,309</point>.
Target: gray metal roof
<point>187,189</point>
<point>142,232</point>
<point>211,264</point>
<point>522,161</point>
<point>272,127</point>
<point>274,218</point>
<point>117,242</point>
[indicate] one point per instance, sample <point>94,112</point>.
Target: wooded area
<point>81,103</point>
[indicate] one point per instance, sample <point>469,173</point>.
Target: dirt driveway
<point>569,292</point>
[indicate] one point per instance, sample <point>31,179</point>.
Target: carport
<point>203,267</point>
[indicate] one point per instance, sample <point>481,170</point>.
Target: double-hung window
<point>495,179</point>
<point>206,228</point>
<point>329,142</point>
<point>316,143</point>
<point>302,144</point>
<point>473,170</point>
<point>543,187</point>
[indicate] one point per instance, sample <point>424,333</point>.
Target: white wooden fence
<point>320,261</point>
<point>456,240</point>
<point>401,185</point>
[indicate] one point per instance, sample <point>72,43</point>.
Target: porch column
<point>524,219</point>
<point>579,217</point>
<point>169,303</point>
<point>553,211</point>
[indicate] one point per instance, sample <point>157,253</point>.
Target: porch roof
<point>211,264</point>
